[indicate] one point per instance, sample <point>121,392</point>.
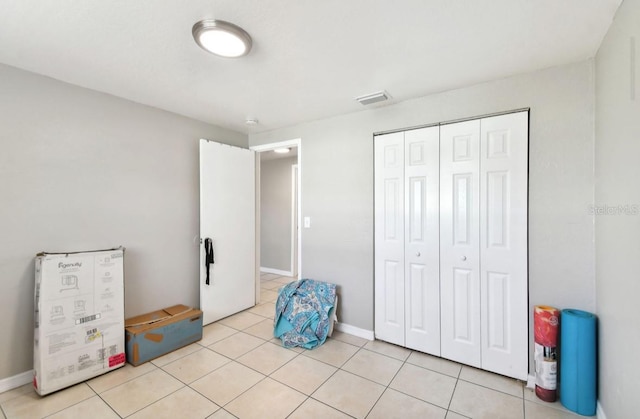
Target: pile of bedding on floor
<point>304,313</point>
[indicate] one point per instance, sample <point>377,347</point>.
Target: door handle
<point>463,258</point>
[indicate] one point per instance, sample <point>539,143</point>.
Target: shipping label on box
<point>79,317</point>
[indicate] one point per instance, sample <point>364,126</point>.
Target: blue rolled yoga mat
<point>578,365</point>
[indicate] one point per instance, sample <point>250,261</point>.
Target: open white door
<point>227,217</point>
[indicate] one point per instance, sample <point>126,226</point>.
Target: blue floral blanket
<point>303,311</point>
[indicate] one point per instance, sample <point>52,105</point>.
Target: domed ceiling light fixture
<point>222,38</point>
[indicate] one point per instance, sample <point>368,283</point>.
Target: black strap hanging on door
<point>208,256</point>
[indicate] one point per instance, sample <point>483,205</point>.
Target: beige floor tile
<point>388,349</point>
<point>268,277</point>
<point>347,338</point>
<point>454,415</point>
<point>120,376</point>
<point>314,409</point>
<point>191,367</point>
<point>304,374</point>
<point>16,392</point>
<point>222,414</point>
<point>433,363</point>
<point>267,399</point>
<point>539,411</point>
<point>236,345</point>
<point>226,383</point>
<point>394,404</point>
<point>177,354</point>
<point>30,405</point>
<point>284,279</point>
<point>374,366</point>
<point>483,403</point>
<point>349,393</point>
<point>332,352</point>
<point>94,408</point>
<point>2,416</point>
<point>267,358</point>
<point>241,320</point>
<point>267,296</point>
<point>270,285</point>
<point>215,332</point>
<point>263,330</point>
<point>140,392</point>
<point>530,395</point>
<point>427,385</point>
<point>184,403</point>
<point>494,381</point>
<point>265,310</point>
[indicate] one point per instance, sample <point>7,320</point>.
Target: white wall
<point>618,230</point>
<point>275,213</point>
<point>83,170</point>
<point>337,184</point>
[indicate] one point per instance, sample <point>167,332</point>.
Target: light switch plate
<point>307,222</point>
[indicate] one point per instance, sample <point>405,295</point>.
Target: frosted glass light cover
<point>222,43</point>
<point>222,38</point>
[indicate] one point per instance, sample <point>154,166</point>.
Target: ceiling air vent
<point>373,98</point>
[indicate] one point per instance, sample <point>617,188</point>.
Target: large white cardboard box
<point>79,317</point>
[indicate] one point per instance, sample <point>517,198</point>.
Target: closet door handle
<point>463,258</point>
<point>418,254</point>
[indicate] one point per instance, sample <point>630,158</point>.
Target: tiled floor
<point>239,370</point>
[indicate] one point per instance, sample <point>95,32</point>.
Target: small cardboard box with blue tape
<point>151,335</point>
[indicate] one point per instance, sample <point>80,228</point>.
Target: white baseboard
<point>355,331</point>
<point>600,412</point>
<point>276,271</point>
<point>16,381</point>
<point>531,381</point>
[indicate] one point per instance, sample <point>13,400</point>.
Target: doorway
<point>278,214</point>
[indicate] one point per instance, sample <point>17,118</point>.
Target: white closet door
<point>503,244</point>
<point>459,242</point>
<point>422,256</point>
<point>389,237</point>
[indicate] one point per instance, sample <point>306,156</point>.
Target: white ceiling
<point>310,58</point>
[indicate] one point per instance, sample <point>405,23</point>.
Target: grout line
<point>388,387</point>
<point>490,388</point>
<point>127,380</point>
<point>243,392</point>
<point>332,407</point>
<point>161,398</point>
<point>71,405</point>
<point>452,394</point>
<point>108,405</point>
<point>179,358</point>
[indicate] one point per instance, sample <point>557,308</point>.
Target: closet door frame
<point>482,250</point>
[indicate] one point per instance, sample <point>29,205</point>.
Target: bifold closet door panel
<point>459,242</point>
<point>422,255</point>
<point>503,244</point>
<point>389,237</point>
